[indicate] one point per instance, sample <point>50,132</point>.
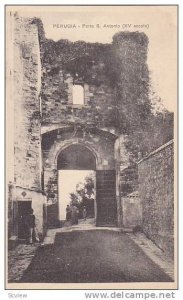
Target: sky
<point>158,22</point>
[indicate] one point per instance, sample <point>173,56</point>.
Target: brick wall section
<point>26,73</point>
<point>156,191</point>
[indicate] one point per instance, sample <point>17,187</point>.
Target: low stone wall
<point>156,190</point>
<point>132,210</point>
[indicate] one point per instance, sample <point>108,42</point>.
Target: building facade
<point>73,109</point>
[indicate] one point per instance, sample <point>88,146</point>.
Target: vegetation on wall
<point>121,66</point>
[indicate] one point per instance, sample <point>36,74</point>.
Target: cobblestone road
<point>19,259</point>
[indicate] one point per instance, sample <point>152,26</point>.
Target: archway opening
<point>76,188</point>
<point>76,166</point>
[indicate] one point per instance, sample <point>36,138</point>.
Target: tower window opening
<point>78,94</point>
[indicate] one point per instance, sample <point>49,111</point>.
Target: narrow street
<point>91,255</point>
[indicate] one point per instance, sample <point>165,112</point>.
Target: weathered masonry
<point>24,75</point>
<point>76,106</point>
<point>156,188</point>
<point>66,106</point>
<point>80,110</point>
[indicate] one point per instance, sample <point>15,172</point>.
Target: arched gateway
<point>94,153</point>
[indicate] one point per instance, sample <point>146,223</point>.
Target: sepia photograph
<point>91,146</point>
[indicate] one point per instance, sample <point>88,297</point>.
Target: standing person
<point>31,226</point>
<point>68,213</point>
<point>74,215</point>
<point>84,213</point>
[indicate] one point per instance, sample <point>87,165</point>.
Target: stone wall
<point>26,84</point>
<point>67,64</point>
<point>156,190</point>
<point>57,102</point>
<point>131,205</point>
<point>24,75</point>
<point>107,73</point>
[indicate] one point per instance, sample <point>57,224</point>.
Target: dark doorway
<point>24,208</point>
<point>106,198</point>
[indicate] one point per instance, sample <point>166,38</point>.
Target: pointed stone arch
<point>100,148</point>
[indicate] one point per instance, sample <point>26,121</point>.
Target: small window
<point>78,94</point>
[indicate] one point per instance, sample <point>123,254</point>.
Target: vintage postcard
<point>91,147</point>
